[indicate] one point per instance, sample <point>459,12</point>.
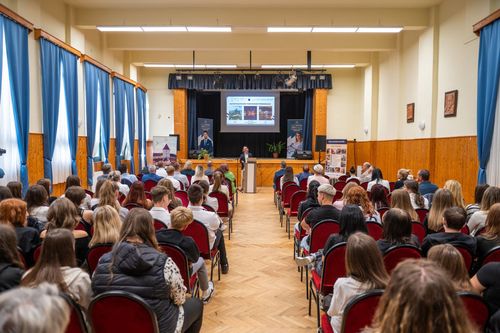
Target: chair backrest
<point>493,255</point>
<point>353,180</point>
<point>333,267</point>
<point>465,229</point>
<point>121,198</point>
<point>277,184</point>
<point>126,181</point>
<point>364,185</point>
<point>476,308</point>
<point>158,225</point>
<point>418,229</point>
<point>382,211</point>
<point>189,178</point>
<point>320,233</point>
<point>360,310</point>
<point>392,185</point>
<point>95,253</point>
<point>303,184</point>
<point>133,205</point>
<point>375,229</point>
<point>89,192</point>
<point>339,186</point>
<point>295,201</point>
<point>149,184</point>
<point>338,195</point>
<point>480,231</point>
<point>209,208</point>
<point>285,185</point>
<point>287,193</point>
<point>37,252</point>
<point>394,255</point>
<point>180,259</point>
<point>342,178</point>
<point>182,187</point>
<point>422,214</point>
<point>223,209</point>
<point>119,311</point>
<point>77,322</point>
<point>148,195</point>
<point>183,196</point>
<point>199,233</point>
<point>467,255</point>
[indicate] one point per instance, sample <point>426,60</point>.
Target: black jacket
<point>10,276</point>
<point>242,159</point>
<point>186,243</point>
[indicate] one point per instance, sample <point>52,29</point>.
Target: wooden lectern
<point>250,176</point>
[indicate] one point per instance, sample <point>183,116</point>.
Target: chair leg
<point>289,226</point>
<point>310,297</point>
<point>317,307</point>
<point>219,265</point>
<point>307,281</point>
<point>211,270</point>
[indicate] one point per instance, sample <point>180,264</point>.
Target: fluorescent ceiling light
<point>334,29</point>
<point>339,66</point>
<point>275,66</point>
<point>159,65</point>
<point>164,29</point>
<point>119,29</point>
<point>380,29</point>
<point>289,29</point>
<point>221,66</point>
<point>189,66</point>
<point>209,29</point>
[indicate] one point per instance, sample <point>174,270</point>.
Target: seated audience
<point>108,195</point>
<point>279,173</point>
<point>188,169</point>
<point>115,177</point>
<point>37,200</point>
<point>34,310</point>
<point>229,176</point>
<point>453,222</point>
<point>378,196</point>
<point>207,200</point>
<point>288,177</point>
<point>125,175</point>
<point>491,236</point>
<point>13,212</point>
<point>352,174</point>
<point>106,170</point>
<point>16,188</point>
<point>478,197</point>
<point>450,259</point>
<point>304,174</point>
<point>339,204</point>
<point>77,196</point>
<point>417,200</point>
<point>47,185</point>
<point>477,220</point>
<point>218,186</point>
<point>174,201</point>
<point>365,271</point>
<point>137,265</point>
<point>136,195</point>
<point>311,199</point>
<point>441,201</point>
<point>425,186</point>
<point>456,191</point>
<point>402,177</point>
<point>487,283</point>
<point>106,225</point>
<point>57,265</point>
<point>179,176</point>
<point>74,180</point>
<point>161,200</point>
<point>11,264</point>
<point>318,175</point>
<point>358,196</point>
<point>170,176</point>
<point>366,173</point>
<point>401,199</point>
<point>378,178</point>
<point>160,169</point>
<point>5,193</point>
<point>209,170</point>
<point>420,298</point>
<point>95,200</point>
<point>199,175</point>
<point>181,217</point>
<point>151,175</point>
<point>211,220</point>
<point>397,230</point>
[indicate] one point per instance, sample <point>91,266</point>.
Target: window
<point>98,152</point>
<point>10,161</point>
<point>125,151</point>
<point>61,160</point>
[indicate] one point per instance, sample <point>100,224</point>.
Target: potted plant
<point>203,154</point>
<point>275,148</point>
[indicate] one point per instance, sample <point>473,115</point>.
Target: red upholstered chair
<point>80,226</point>
<point>303,184</point>
<point>354,180</point>
<point>359,312</point>
<point>342,178</point>
<point>148,195</point>
<point>476,308</point>
<point>89,192</point>
<point>333,268</point>
<point>277,190</point>
<point>158,225</point>
<point>422,214</point>
<point>382,211</point>
<point>183,196</point>
<point>480,231</point>
<point>37,252</point>
<point>223,209</point>
<point>392,185</point>
<point>396,254</point>
<point>326,327</point>
<point>149,184</point>
<point>339,186</point>
<point>189,178</point>
<point>298,235</point>
<point>364,185</point>
<point>182,187</point>
<point>77,322</point>
<point>121,312</point>
<point>197,231</point>
<point>139,176</point>
<point>286,195</point>
<point>95,253</point>
<point>293,210</point>
<point>132,205</point>
<point>180,259</point>
<point>465,229</point>
<point>467,255</point>
<point>493,255</point>
<point>338,195</point>
<point>375,229</point>
<point>208,208</point>
<point>418,230</point>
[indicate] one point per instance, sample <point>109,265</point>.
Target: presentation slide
<point>250,111</point>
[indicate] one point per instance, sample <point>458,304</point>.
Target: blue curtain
<point>16,40</point>
<point>104,88</point>
<point>192,120</point>
<point>69,62</point>
<point>119,92</point>
<point>141,122</point>
<point>130,96</point>
<point>50,57</point>
<point>487,91</point>
<point>308,117</point>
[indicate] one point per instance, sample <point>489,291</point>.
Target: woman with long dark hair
<point>37,200</point>
<point>378,178</point>
<point>137,195</point>
<point>379,197</point>
<point>11,264</point>
<point>397,230</point>
<point>288,177</point>
<point>417,200</point>
<point>311,199</point>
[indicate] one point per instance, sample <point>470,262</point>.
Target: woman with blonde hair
<point>188,169</point>
<point>199,175</point>
<point>441,200</point>
<point>420,298</point>
<point>491,237</point>
<point>401,199</point>
<point>174,201</point>
<point>365,270</point>
<point>108,195</point>
<point>357,196</point>
<point>456,191</point>
<point>107,226</point>
<point>450,259</point>
<point>478,219</point>
<point>218,186</point>
<point>339,204</point>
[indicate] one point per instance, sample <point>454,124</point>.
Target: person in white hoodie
<point>57,265</point>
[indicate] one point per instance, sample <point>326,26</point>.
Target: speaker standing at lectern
<point>245,155</point>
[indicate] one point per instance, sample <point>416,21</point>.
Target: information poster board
<point>294,137</point>
<point>206,125</point>
<point>164,148</point>
<point>336,157</point>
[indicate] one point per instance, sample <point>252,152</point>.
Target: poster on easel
<point>336,157</point>
<point>164,148</point>
<point>206,135</point>
<point>294,138</point>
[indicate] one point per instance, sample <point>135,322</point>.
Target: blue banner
<point>206,134</point>
<point>294,137</point>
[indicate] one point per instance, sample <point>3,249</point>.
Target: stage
<point>266,167</point>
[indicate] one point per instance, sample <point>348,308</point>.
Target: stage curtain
<point>141,122</point>
<point>119,92</point>
<point>487,94</point>
<point>105,94</point>
<point>69,62</point>
<point>16,42</point>
<point>308,119</point>
<point>248,81</point>
<point>192,119</point>
<point>130,96</point>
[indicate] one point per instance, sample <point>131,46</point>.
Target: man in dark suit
<point>245,155</point>
<point>425,186</point>
<point>207,144</point>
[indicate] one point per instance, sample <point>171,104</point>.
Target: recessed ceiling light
<point>164,29</point>
<point>289,29</point>
<point>209,29</point>
<point>379,29</point>
<point>335,29</point>
<point>119,29</point>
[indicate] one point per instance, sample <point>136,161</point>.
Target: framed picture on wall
<point>410,112</point>
<point>450,103</point>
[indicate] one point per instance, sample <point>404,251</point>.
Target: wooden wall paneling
<point>149,152</point>
<point>180,121</point>
<point>35,157</point>
<point>112,152</point>
<point>81,160</point>
<point>386,157</point>
<point>319,116</point>
<point>362,151</point>
<point>136,156</point>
